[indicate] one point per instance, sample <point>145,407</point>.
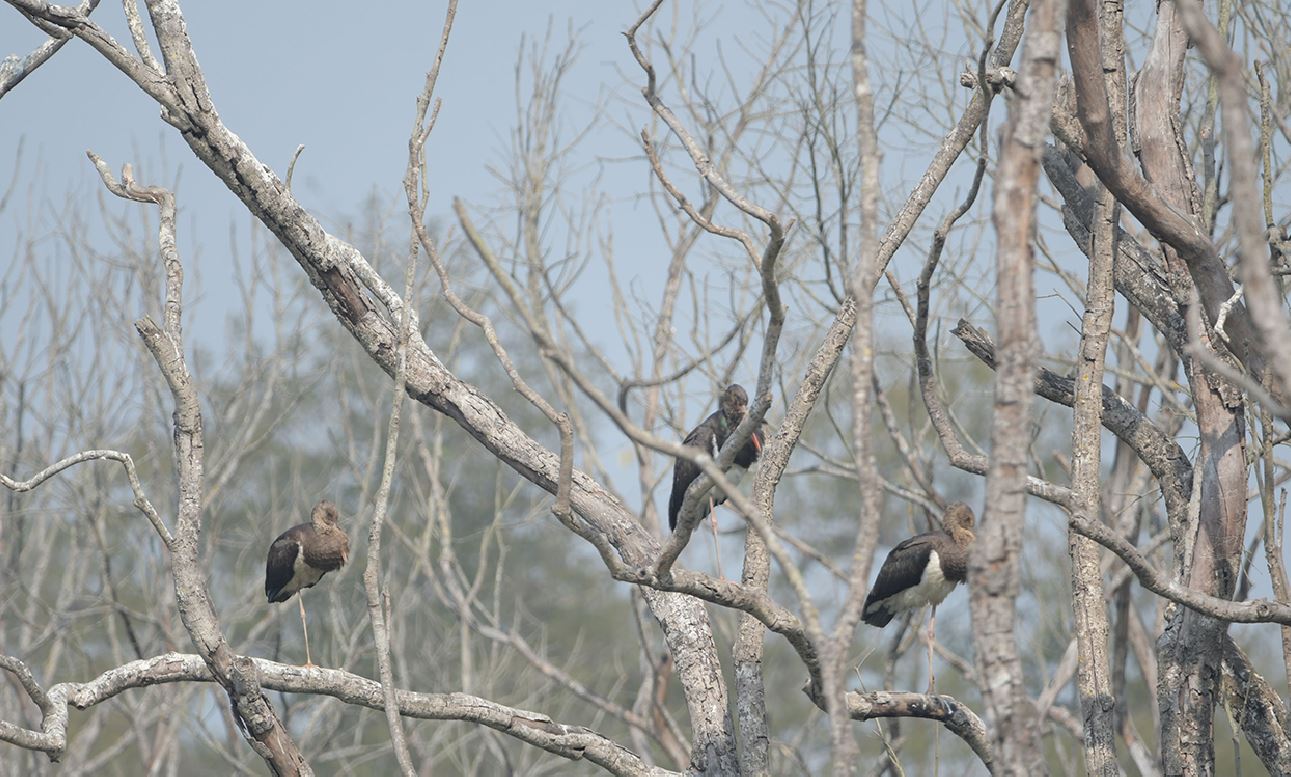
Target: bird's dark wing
<point>703,437</point>
<point>281,565</point>
<point>902,569</point>
<point>707,436</point>
<point>683,474</point>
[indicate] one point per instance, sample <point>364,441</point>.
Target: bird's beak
<point>757,444</point>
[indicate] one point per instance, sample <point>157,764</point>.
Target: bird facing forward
<point>709,437</point>
<point>300,556</point>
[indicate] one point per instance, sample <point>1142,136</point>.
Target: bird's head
<point>324,516</point>
<point>958,522</point>
<point>734,404</point>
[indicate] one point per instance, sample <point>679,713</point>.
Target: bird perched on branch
<point>923,569</point>
<point>300,557</point>
<point>709,437</point>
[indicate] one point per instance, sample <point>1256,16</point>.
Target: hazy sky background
<point>339,80</point>
<point>342,80</point>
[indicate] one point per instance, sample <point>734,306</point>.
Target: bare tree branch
<point>259,722</point>
<point>14,69</point>
<point>141,501</point>
<point>1160,452</point>
<point>1089,610</point>
<point>1165,221</point>
<point>1258,709</point>
<point>951,713</point>
<point>1263,296</point>
<point>571,742</point>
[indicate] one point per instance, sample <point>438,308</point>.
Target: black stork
<point>300,557</point>
<point>709,437</point>
<point>922,570</point>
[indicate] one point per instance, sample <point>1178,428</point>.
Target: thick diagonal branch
<point>345,279</point>
<point>1158,450</point>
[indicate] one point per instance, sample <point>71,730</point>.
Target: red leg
<point>717,546</point>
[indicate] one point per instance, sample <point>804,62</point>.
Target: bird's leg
<point>932,636</point>
<point>717,546</point>
<point>300,599</point>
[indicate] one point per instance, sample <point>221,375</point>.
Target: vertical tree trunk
<point>1208,545</point>
<point>1089,609</point>
<point>993,573</point>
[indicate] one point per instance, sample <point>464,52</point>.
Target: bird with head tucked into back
<point>923,569</point>
<point>300,556</point>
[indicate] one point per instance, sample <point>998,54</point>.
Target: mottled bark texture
<point>1207,547</point>
<point>993,573</point>
<point>1190,650</point>
<point>1258,709</point>
<point>1089,608</point>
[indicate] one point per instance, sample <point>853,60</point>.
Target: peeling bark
<point>993,576</point>
<point>1166,200</point>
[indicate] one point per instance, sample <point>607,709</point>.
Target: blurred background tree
<point>491,597</point>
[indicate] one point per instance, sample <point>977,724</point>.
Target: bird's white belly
<point>735,474</point>
<point>933,588</point>
<point>302,574</point>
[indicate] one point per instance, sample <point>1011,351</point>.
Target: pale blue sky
<point>343,83</point>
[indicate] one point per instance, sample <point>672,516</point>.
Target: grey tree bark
<point>993,564</point>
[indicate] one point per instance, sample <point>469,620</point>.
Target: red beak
<point>756,439</point>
